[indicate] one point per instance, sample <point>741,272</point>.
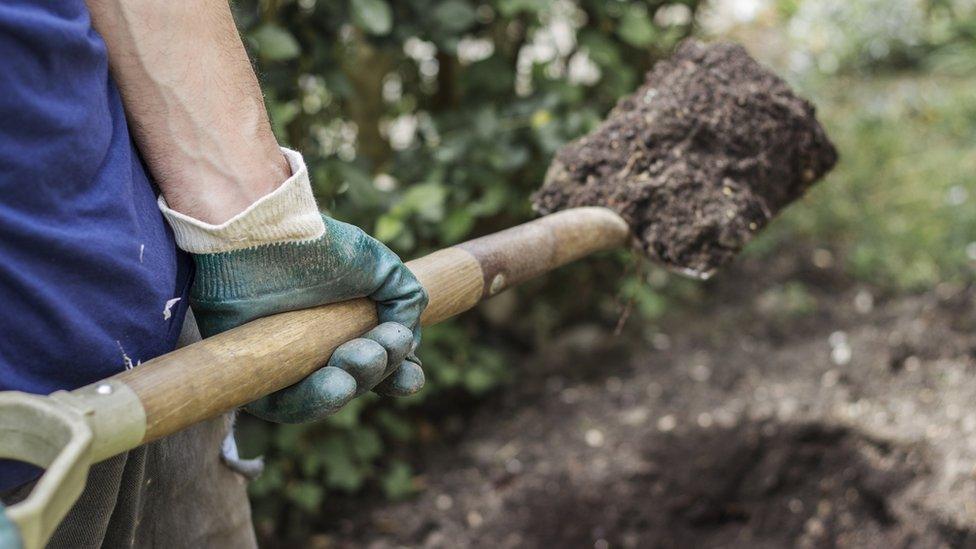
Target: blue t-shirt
<point>89,270</point>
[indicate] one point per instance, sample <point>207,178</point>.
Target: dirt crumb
<point>698,159</point>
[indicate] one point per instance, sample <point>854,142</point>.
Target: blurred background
<point>816,393</point>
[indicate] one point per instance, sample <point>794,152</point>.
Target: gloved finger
<point>320,394</point>
<point>364,359</point>
<point>396,339</point>
<point>400,298</point>
<point>406,380</point>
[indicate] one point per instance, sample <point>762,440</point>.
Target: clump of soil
<point>698,159</point>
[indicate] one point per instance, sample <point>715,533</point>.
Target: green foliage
<point>900,209</point>
<point>398,481</point>
<point>876,35</point>
<point>372,16</point>
<point>430,122</point>
<point>274,43</point>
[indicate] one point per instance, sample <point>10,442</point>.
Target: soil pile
<point>698,159</point>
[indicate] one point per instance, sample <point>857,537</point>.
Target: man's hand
<point>239,286</point>
<point>281,254</point>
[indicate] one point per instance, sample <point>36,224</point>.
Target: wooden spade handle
<point>233,368</point>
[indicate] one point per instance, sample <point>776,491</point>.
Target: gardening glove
<point>281,254</point>
<point>9,537</point>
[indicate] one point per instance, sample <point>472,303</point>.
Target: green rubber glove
<point>9,536</point>
<point>238,286</point>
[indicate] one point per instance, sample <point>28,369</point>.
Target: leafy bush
<point>899,211</point>
<point>429,122</point>
<point>872,35</point>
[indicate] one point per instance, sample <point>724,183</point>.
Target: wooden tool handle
<point>233,368</point>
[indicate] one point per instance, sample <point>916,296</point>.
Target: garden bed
<point>800,410</point>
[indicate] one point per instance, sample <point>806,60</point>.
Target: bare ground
<point>750,423</point>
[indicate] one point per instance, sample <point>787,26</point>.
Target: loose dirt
<point>842,420</point>
<point>698,159</point>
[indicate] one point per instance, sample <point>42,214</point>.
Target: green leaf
<point>491,202</point>
<point>454,15</point>
<point>636,27</point>
<point>398,481</point>
<point>478,380</point>
<point>281,115</point>
<point>340,470</point>
<point>366,443</point>
<point>343,475</point>
<point>508,8</point>
<point>426,200</point>
<point>288,437</point>
<point>361,191</point>
<point>269,481</point>
<point>601,48</point>
<point>451,150</point>
<point>388,227</point>
<point>448,375</point>
<point>275,43</point>
<point>394,425</point>
<point>373,16</point>
<point>311,463</point>
<point>508,159</point>
<point>306,495</point>
<point>456,225</point>
<point>486,123</point>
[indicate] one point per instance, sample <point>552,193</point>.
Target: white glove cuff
<point>287,214</point>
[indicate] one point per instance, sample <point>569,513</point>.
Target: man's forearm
<point>193,103</point>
